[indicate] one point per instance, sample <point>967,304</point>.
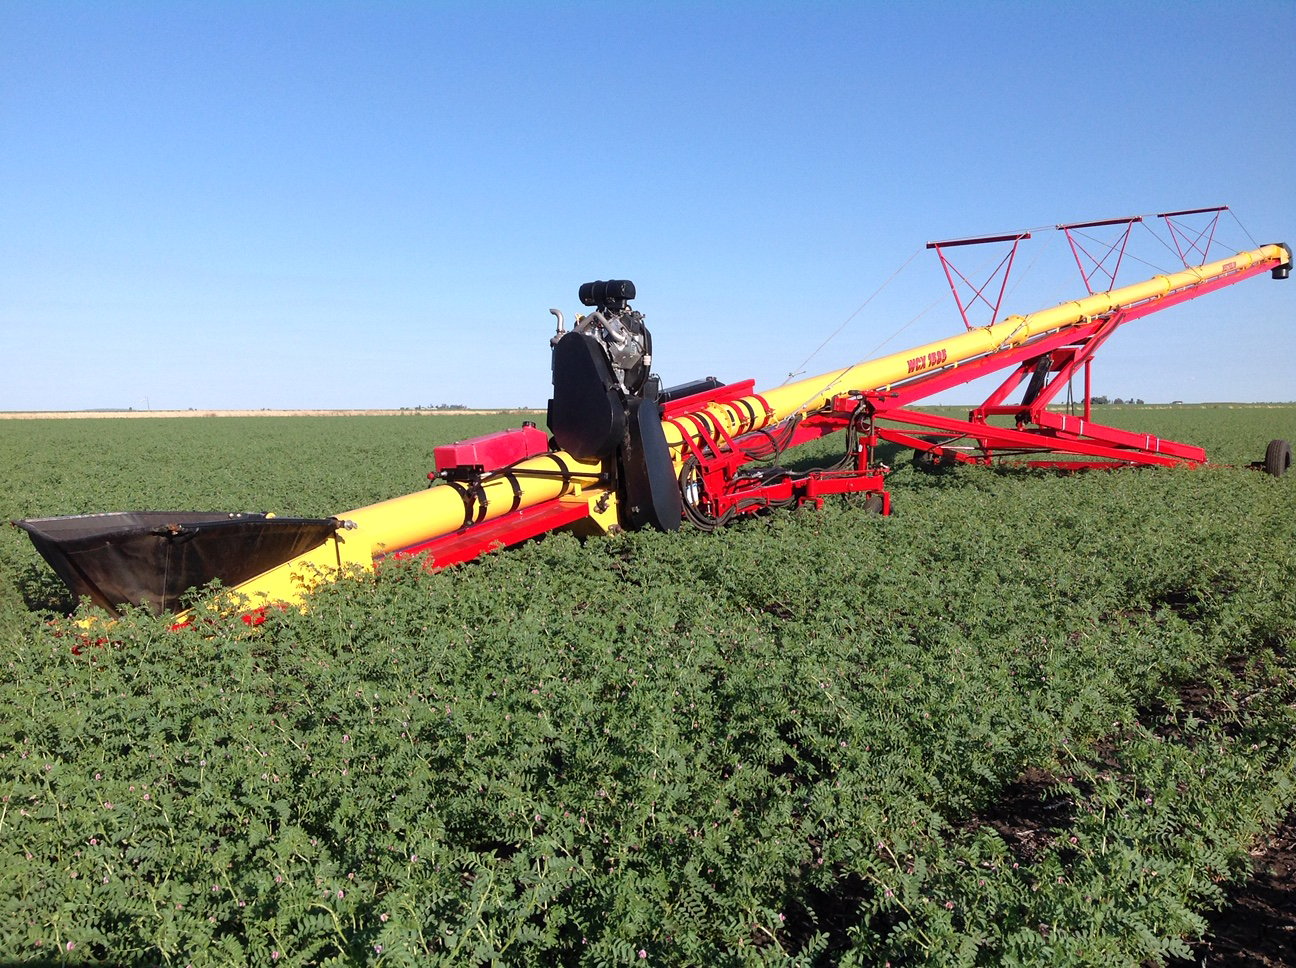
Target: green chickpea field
<point>1028,719</point>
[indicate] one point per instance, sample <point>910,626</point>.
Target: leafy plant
<point>1028,719</point>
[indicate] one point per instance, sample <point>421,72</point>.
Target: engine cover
<point>587,414</point>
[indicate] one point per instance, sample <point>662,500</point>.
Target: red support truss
<point>1001,272</point>
<point>1045,365</point>
<point>1192,244</point>
<point>1098,265</point>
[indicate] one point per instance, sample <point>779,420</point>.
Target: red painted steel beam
<point>511,529</point>
<point>992,438</point>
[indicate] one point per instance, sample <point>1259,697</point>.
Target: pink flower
<point>643,953</point>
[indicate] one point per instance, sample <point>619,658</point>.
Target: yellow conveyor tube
<point>370,532</point>
<point>813,393</point>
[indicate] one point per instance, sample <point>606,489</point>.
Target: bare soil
<point>1257,928</point>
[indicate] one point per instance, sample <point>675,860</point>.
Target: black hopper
<point>152,558</point>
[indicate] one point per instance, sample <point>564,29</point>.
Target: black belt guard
<point>651,489</point>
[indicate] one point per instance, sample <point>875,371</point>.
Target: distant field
<point>129,414</point>
<point>1027,719</point>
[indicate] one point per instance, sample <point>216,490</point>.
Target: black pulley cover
<point>652,495</point>
<point>586,415</point>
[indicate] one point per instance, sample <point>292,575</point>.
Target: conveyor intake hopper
<point>152,558</point>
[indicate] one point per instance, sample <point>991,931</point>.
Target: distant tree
<point>1102,400</point>
<point>1118,401</point>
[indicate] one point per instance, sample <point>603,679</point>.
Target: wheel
<point>925,460</point>
<point>1278,458</point>
<point>873,503</point>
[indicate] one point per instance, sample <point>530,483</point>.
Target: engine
<point>605,403</point>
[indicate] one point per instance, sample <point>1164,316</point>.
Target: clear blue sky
<point>281,205</point>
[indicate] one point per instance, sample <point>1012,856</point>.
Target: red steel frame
<point>474,540</point>
<point>729,487</point>
<point>1037,436</point>
<point>1051,362</point>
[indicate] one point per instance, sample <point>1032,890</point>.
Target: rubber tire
<point>1278,458</point>
<point>929,463</point>
<point>873,503</point>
